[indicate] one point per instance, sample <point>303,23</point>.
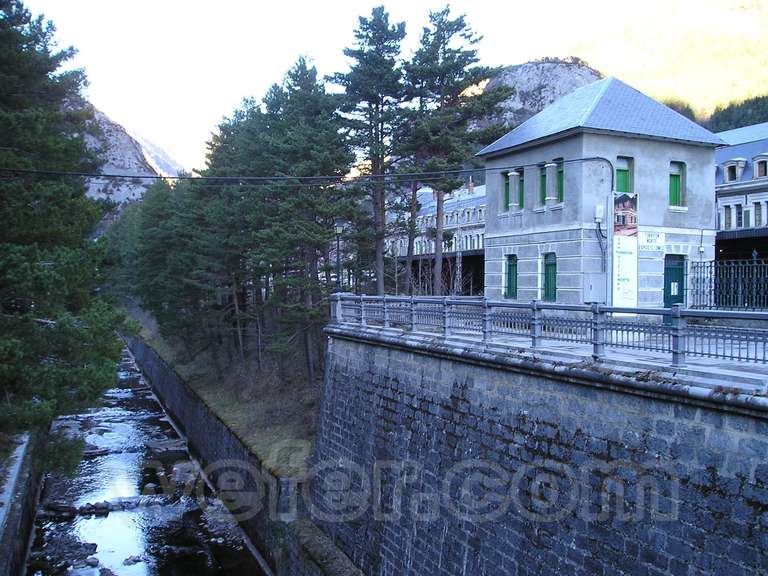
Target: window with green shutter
<point>511,291</point>
<point>550,277</point>
<point>542,185</point>
<point>560,183</point>
<point>622,180</point>
<point>505,204</point>
<point>521,189</point>
<point>624,166</point>
<point>674,189</point>
<point>676,178</point>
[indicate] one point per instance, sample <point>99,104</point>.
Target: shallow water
<point>154,514</point>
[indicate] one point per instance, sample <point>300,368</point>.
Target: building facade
<point>742,193</point>
<point>604,196</point>
<point>464,240</point>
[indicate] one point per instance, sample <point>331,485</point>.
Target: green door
<point>511,276</point>
<point>674,280</point>
<point>550,277</point>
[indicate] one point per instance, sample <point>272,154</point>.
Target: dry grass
<point>276,420</point>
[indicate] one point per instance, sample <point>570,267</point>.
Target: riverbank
<point>269,507</point>
<point>137,504</point>
<point>275,419</point>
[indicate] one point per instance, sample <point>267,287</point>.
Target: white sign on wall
<point>625,271</point>
<point>651,241</point>
<point>625,250</point>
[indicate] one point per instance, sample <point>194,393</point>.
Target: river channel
<point>137,504</point>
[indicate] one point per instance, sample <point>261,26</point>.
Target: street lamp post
<point>338,225</point>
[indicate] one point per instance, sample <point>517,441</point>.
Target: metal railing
<point>677,331</point>
<point>728,284</point>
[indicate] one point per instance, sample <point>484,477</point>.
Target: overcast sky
<point>170,70</point>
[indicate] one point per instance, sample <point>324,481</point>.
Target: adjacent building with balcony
<point>606,195</point>
<point>742,193</point>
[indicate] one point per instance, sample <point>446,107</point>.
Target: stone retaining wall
<point>429,463</point>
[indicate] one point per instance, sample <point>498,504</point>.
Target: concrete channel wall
<point>17,505</point>
<point>467,465</point>
<point>264,505</point>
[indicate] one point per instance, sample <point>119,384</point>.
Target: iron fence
<point>676,331</point>
<point>728,285</point>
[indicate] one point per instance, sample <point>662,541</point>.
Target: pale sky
<point>170,70</point>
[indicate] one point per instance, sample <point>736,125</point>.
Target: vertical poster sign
<point>625,250</point>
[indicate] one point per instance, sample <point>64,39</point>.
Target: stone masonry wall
<point>430,464</point>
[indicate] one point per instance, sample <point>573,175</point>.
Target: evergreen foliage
<point>438,135</point>
<point>739,114</point>
<point>58,349</point>
<point>373,93</point>
<point>239,266</point>
<point>682,107</point>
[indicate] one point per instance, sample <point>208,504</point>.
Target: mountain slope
<point>538,83</point>
<point>158,158</point>
<point>122,155</point>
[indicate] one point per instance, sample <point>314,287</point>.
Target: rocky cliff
<point>121,155</point>
<point>130,157</point>
<point>538,83</point>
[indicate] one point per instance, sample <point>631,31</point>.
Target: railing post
<point>362,310</point>
<point>598,332</point>
<point>679,334</point>
<point>446,318</point>
<point>486,321</point>
<point>535,324</point>
<point>386,311</point>
<point>336,312</point>
<point>413,315</point>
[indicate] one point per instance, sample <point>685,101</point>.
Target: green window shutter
<point>560,185</point>
<point>543,187</point>
<point>622,180</point>
<point>550,277</point>
<point>674,190</point>
<point>521,191</point>
<point>506,191</point>
<point>511,277</point>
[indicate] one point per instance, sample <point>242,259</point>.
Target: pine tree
<point>219,257</point>
<point>439,135</point>
<point>57,343</point>
<point>373,93</point>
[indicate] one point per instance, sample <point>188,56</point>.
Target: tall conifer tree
<point>440,137</point>
<point>58,348</point>
<point>373,93</point>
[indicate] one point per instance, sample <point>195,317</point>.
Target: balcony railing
<point>677,331</point>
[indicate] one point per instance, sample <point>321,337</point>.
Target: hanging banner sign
<point>625,250</point>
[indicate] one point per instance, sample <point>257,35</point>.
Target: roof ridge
<point>606,82</point>
<point>742,127</point>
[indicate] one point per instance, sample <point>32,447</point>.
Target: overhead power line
<point>289,180</point>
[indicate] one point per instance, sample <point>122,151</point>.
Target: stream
<point>137,504</point>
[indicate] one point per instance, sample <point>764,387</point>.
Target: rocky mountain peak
<point>538,83</point>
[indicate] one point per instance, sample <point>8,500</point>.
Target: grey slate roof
<point>748,151</point>
<point>746,134</point>
<point>605,105</point>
